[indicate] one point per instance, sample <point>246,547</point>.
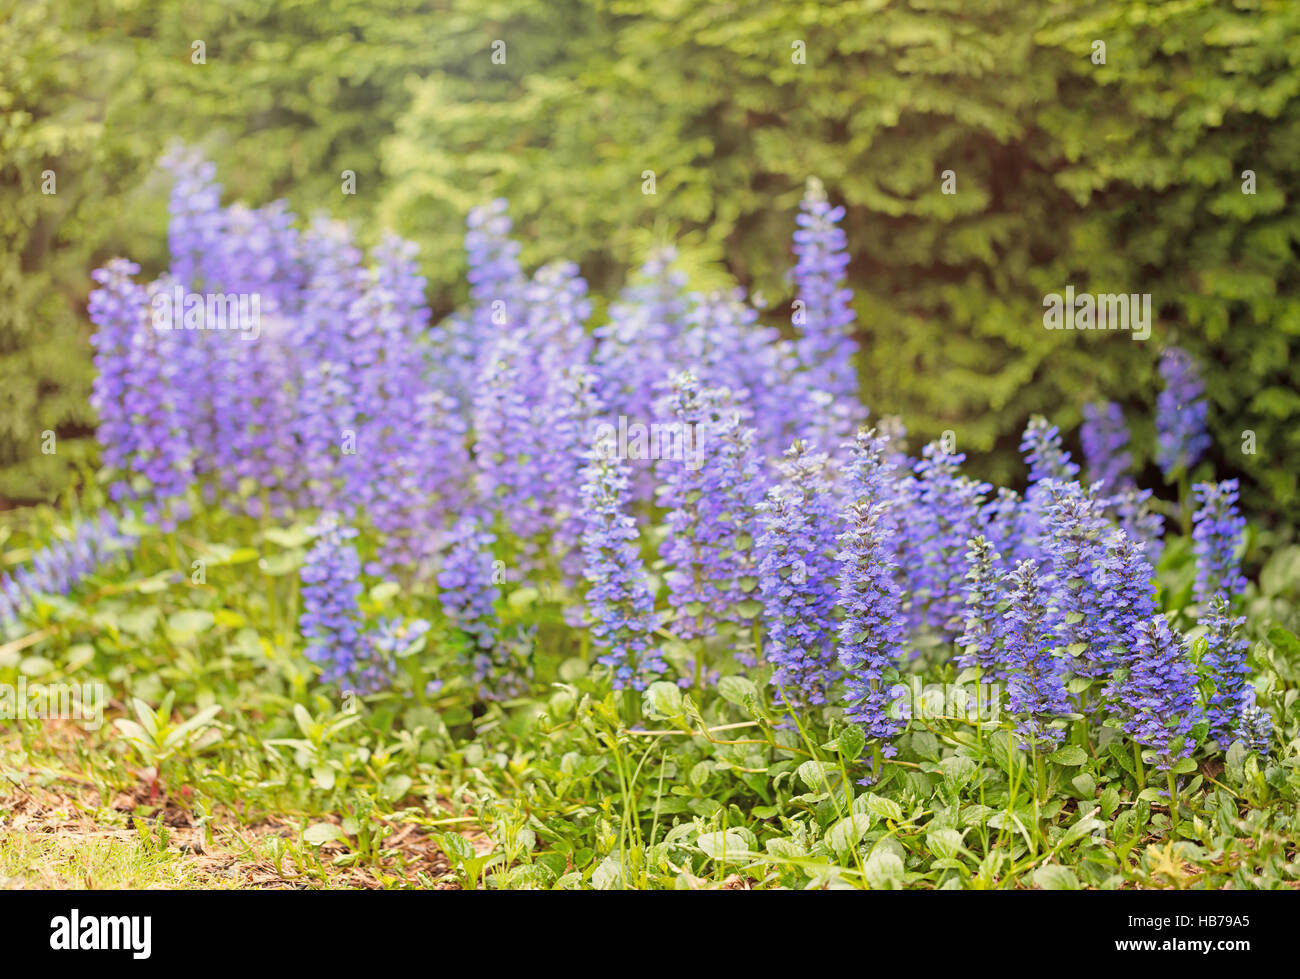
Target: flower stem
<point>1173,800</point>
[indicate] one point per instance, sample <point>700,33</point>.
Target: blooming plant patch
<point>646,599</point>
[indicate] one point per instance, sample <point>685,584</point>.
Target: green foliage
<point>214,709</point>
<point>289,96</point>
<point>1122,176</point>
<point>44,361</point>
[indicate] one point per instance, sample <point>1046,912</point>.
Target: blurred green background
<point>1117,177</point>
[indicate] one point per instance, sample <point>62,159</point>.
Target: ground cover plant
<point>534,598</point>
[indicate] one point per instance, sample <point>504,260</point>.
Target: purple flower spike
<point>1181,413</point>
<point>711,493</point>
<point>1076,532</point>
<point>871,632</point>
<point>62,565</point>
<point>1041,445</point>
<point>1104,436</point>
<point>985,605</point>
<point>1225,661</point>
<point>137,394</point>
<point>797,577</point>
<point>825,318</point>
<point>942,515</point>
<point>331,588</point>
<point>1217,531</point>
<point>1256,724</point>
<point>1158,693</point>
<point>1036,689</point>
<point>619,602</point>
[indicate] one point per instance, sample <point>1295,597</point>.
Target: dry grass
<point>56,832</point>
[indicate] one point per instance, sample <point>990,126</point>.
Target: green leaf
<point>1070,754</point>
<point>1234,762</point>
<point>397,786</point>
<point>1285,643</point>
<point>456,847</point>
<point>734,689</point>
<point>189,623</point>
<point>384,592</point>
<point>813,774</point>
<point>884,870</point>
<point>851,742</point>
<point>944,842</point>
<point>35,666</point>
<point>609,875</point>
<point>1081,828</point>
<point>279,565</point>
<point>521,598</point>
<point>306,723</point>
<point>729,846</point>
<point>1053,877</point>
<point>700,773</point>
<point>1109,801</point>
<point>662,701</point>
<point>132,731</point>
<point>786,847</point>
<point>884,808</point>
<point>288,537</point>
<point>319,833</point>
<point>848,832</point>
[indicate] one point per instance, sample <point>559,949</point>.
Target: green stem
<point>1173,800</point>
<point>848,798</point>
<point>174,548</point>
<point>1040,787</point>
<point>1184,503</point>
<point>631,713</point>
<point>272,602</point>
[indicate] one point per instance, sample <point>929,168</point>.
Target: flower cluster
<point>467,585</point>
<point>941,516</point>
<point>1075,543</point>
<point>788,535</point>
<point>1256,724</point>
<point>1225,661</point>
<point>711,494</point>
<point>650,315</point>
<point>1123,580</point>
<point>1104,436</point>
<point>1158,692</point>
<point>1041,447</point>
<point>824,313</point>
<point>1132,507</point>
<point>1036,689</point>
<point>985,586</point>
<point>619,601</point>
<point>136,393</point>
<point>390,640</point>
<point>331,587</point>
<point>1181,413</point>
<point>871,632</point>
<point>62,565</point>
<point>797,577</point>
<point>1217,533</point>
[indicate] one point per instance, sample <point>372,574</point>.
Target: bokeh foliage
<point>1116,177</point>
